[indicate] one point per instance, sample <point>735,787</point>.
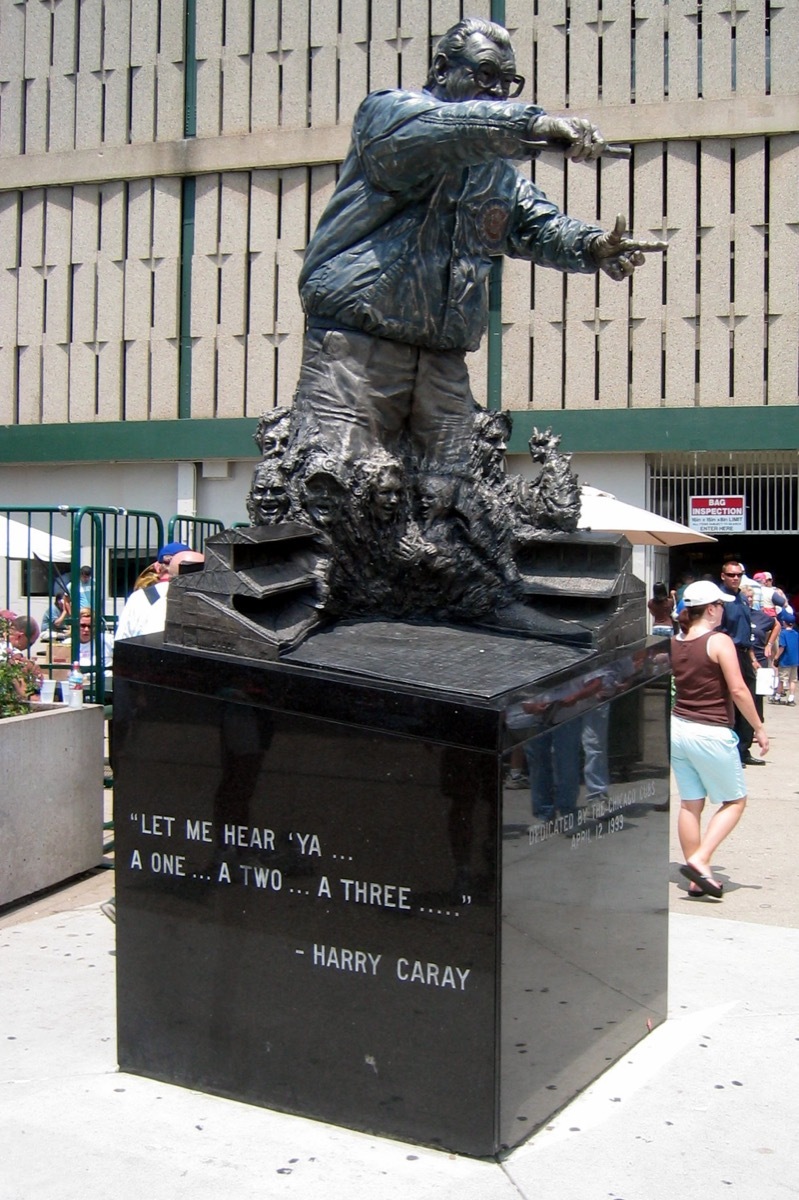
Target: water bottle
<point>75,686</point>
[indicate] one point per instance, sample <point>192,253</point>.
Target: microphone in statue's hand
<point>618,255</point>
<point>575,136</point>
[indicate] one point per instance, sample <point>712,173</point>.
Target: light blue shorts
<point>706,762</point>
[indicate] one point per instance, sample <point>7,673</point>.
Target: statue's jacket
<point>427,196</point>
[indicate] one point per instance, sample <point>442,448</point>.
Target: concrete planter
<point>51,799</point>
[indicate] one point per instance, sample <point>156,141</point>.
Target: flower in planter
<point>20,677</point>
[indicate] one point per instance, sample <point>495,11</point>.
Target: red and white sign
<point>717,514</point>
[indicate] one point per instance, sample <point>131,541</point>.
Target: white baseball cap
<point>704,592</point>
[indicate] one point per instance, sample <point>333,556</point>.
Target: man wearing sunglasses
<point>736,620</point>
<point>394,281</point>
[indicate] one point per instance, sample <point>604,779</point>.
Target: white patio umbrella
<point>601,511</point>
<point>23,541</point>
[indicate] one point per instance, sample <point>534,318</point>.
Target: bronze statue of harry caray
<point>387,470</point>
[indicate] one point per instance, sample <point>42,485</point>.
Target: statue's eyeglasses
<point>488,77</point>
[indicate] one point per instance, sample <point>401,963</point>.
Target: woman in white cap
<point>704,748</point>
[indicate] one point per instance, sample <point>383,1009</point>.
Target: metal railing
<point>44,553</point>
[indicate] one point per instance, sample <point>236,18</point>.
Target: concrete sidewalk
<point>706,1105</point>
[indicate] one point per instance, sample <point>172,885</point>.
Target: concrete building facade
<point>163,165</point>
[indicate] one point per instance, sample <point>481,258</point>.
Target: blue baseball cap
<point>171,548</point>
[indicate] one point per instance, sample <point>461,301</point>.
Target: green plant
<point>20,677</point>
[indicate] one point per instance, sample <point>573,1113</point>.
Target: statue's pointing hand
<point>618,255</point>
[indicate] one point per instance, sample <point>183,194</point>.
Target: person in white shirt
<point>145,609</point>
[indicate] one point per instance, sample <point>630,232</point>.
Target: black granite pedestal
<point>329,901</point>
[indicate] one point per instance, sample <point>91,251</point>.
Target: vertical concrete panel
<point>172,32</point>
<point>206,215</point>
<point>116,36</point>
<point>142,103</point>
<point>62,112</point>
<point>646,362</point>
<point>784,49</point>
<point>30,300</point>
<point>57,225</point>
<point>646,311</point>
<point>582,203</point>
<point>714,298</point>
<point>231,370</point>
<point>138,299</point>
<point>65,28</point>
<point>235,94</point>
<point>166,294</point>
<point>170,112</point>
<point>139,218</point>
<point>144,32</point>
<point>748,226</point>
<point>11,121</point>
<point>12,43</point>
<point>264,209</point>
<point>649,49</point>
<point>323,182</point>
<point>57,304</point>
<point>683,50</point>
<point>203,377</point>
<point>36,102</point>
<point>616,66</point>
<point>84,283</point>
<point>167,217</point>
<point>10,239</point>
<point>112,197</point>
<point>288,359</point>
<point>109,382</point>
<point>324,86</point>
<point>164,372</point>
<point>237,27</point>
<point>233,303</point>
<point>681,205</point>
<point>783,323</point>
<point>584,55</point>
<point>680,347</point>
<point>36,40</point>
<point>262,292</point>
<point>415,45</point>
<point>88,111</point>
<point>85,223</point>
<point>32,231</point>
<point>547,347</point>
<point>750,53</point>
<point>550,38</point>
<point>8,381</point>
<point>210,28</point>
<point>580,364</point>
<point>110,292</point>
<point>115,129</point>
<point>294,59</point>
<point>265,112</point>
<point>516,364</point>
<point>82,382</point>
<point>29,383</point>
<point>260,375</point>
<point>91,35</point>
<point>204,295</point>
<point>209,97</point>
<point>8,307</point>
<point>235,199</point>
<point>716,49</point>
<point>55,384</point>
<point>137,380</point>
